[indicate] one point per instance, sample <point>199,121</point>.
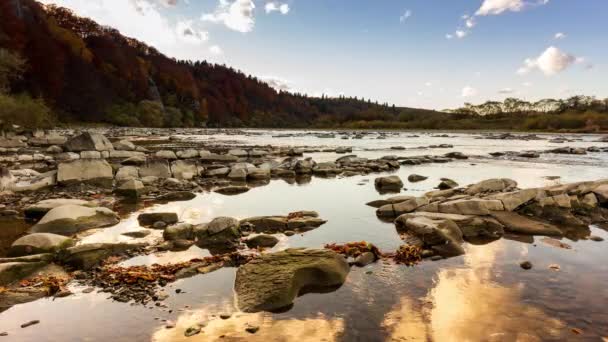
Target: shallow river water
<point>483,295</point>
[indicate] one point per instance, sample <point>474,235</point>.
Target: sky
<point>418,53</point>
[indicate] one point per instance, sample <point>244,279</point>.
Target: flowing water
<point>483,295</point>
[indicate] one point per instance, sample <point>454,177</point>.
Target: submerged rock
<point>447,183</point>
<point>70,219</point>
<point>388,183</point>
<point>273,281</point>
<point>261,240</point>
<point>413,178</point>
<point>84,257</point>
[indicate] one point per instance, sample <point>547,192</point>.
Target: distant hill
<point>91,73</point>
<point>517,106</point>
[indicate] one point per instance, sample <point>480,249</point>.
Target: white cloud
<point>405,16</point>
<point>470,22</point>
<point>550,62</point>
<point>527,84</point>
<point>187,33</point>
<point>559,35</point>
<point>495,7</point>
<point>461,33</point>
<point>216,50</point>
<point>237,16</point>
<point>506,91</point>
<point>276,7</point>
<point>449,36</point>
<point>469,91</point>
<point>428,84</point>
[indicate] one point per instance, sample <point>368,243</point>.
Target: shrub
<point>24,111</point>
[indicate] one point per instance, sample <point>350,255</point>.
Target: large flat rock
<point>71,219</point>
<point>520,224</point>
<point>273,281</point>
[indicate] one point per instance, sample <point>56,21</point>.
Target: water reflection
<point>469,304</point>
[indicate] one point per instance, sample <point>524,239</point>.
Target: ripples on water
<point>481,296</point>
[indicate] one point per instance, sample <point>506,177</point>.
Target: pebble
<point>170,325</point>
<point>436,257</point>
<point>88,290</point>
<point>554,267</point>
<point>526,265</point>
<point>252,329</point>
<point>596,238</point>
<point>4,334</point>
<point>34,322</point>
<point>225,316</point>
<point>193,330</point>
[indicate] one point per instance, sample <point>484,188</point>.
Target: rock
<point>365,259</point>
<point>67,156</point>
<point>193,330</point>
<point>39,243</point>
<point>155,167</point>
<point>124,145</point>
<point>182,231</point>
<point>221,232</point>
<point>159,225</point>
<point>276,224</point>
<point>185,169</point>
<point>469,225</point>
<point>125,154</point>
<point>70,219</point>
<point>127,172</point>
<point>7,180</point>
<point>261,240</point>
<point>88,142</point>
<point>188,154</point>
<point>388,183</point>
<point>11,272</point>
<point>258,174</point>
<point>148,219</point>
<point>413,178</point>
<point>520,224</point>
<point>38,210</point>
<point>166,154</point>
<point>90,155</point>
<point>232,190</point>
<point>441,235</point>
<point>472,206</point>
<point>515,199</point>
<point>239,153</point>
<point>131,189</point>
<point>252,329</point>
<point>219,172</point>
<point>601,192</point>
<point>596,238</point>
<point>135,160</point>
<point>94,171</point>
<point>221,158</point>
<point>526,265</point>
<point>238,175</point>
<point>85,257</point>
<point>149,180</point>
<point>177,196</point>
<point>137,234</point>
<point>396,209</point>
<point>30,323</point>
<point>447,183</point>
<point>491,185</point>
<point>589,200</point>
<point>273,281</point>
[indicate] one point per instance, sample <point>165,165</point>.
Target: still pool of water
<point>481,296</point>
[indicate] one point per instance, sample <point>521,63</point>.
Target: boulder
<point>124,145</point>
<point>601,192</point>
<point>94,171</point>
<point>273,281</point>
<point>132,188</point>
<point>218,172</point>
<point>148,219</point>
<point>238,175</point>
<point>127,172</point>
<point>90,155</point>
<point>413,178</point>
<point>88,142</point>
<point>396,209</point>
<point>470,225</point>
<point>188,154</point>
<point>491,185</point>
<point>447,183</point>
<point>185,169</point>
<point>259,174</point>
<point>440,234</point>
<point>166,154</point>
<point>516,223</point>
<point>262,240</point>
<point>70,219</point>
<point>38,210</point>
<point>7,180</point>
<point>182,231</point>
<point>388,183</point>
<point>38,243</point>
<point>222,232</point>
<point>155,167</point>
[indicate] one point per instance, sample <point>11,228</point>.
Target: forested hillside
<point>91,73</point>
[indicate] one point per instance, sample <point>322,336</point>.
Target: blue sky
<point>419,53</point>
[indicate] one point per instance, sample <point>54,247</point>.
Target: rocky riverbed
<point>280,235</point>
